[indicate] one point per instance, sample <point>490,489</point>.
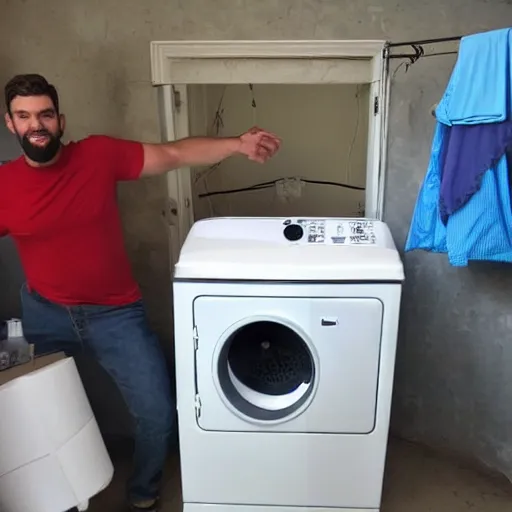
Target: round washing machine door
<point>265,370</point>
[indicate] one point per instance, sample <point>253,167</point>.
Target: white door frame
<point>176,64</point>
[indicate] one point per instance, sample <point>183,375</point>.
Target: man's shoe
<point>145,506</point>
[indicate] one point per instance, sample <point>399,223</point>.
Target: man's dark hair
<point>30,85</point>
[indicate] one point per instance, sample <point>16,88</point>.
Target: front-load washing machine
<point>285,338</point>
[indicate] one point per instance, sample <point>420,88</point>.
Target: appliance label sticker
<point>362,232</point>
<point>314,229</point>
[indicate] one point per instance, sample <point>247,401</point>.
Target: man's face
<point>34,120</point>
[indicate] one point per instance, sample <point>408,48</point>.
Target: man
<point>58,203</point>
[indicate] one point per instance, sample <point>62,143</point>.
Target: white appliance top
<point>289,249</point>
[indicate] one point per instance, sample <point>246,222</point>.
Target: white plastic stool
<point>52,455</point>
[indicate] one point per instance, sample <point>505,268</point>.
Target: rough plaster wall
<point>11,273</point>
<point>454,377</point>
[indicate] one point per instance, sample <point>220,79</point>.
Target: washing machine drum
<point>270,358</point>
<point>266,370</point>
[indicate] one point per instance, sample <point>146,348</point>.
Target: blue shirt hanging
<point>471,193</point>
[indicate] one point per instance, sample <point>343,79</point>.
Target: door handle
<point>329,322</point>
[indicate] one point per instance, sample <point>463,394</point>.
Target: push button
<point>293,232</point>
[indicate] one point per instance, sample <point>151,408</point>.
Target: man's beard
<point>41,154</point>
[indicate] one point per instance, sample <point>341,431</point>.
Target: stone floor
<point>417,480</point>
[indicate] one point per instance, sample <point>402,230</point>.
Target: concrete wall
<point>324,129</point>
<point>454,378</point>
<point>11,273</point>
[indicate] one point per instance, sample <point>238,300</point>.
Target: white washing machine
<point>285,338</point>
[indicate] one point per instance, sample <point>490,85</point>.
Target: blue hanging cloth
<point>427,232</point>
<point>478,91</point>
<point>470,152</point>
<point>463,207</point>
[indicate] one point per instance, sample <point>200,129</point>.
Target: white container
<point>52,455</point>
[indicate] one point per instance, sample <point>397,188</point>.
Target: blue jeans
<point>120,339</point>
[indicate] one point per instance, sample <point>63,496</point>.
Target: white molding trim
<point>383,164</point>
<point>174,125</point>
<point>162,52</point>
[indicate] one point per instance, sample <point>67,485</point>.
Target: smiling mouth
<point>38,139</point>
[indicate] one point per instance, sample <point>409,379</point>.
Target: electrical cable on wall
<point>253,105</point>
<point>273,183</point>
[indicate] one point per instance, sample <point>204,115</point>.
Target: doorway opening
<point>321,168</point>
<point>328,100</point>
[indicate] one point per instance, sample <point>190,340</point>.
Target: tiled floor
<point>417,480</point>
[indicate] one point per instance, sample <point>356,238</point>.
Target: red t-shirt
<point>66,225</point>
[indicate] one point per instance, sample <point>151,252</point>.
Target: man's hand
<point>256,144</point>
<point>259,145</point>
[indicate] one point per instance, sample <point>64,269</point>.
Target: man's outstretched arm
<point>257,145</point>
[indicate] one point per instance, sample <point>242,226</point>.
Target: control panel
<point>330,231</point>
